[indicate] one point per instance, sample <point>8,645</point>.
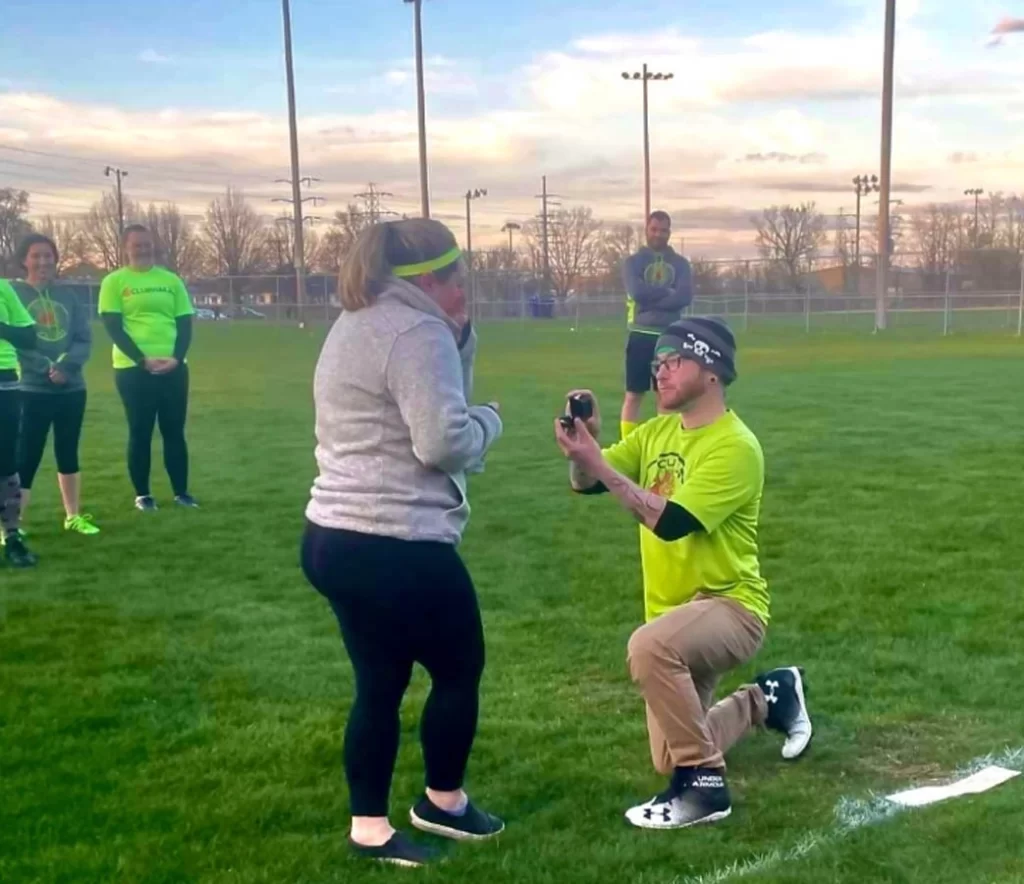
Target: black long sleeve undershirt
<point>20,337</point>
<point>114,324</point>
<point>184,339</point>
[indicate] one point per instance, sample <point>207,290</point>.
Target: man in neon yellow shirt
<point>693,477</point>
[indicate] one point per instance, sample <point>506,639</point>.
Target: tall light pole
<point>510,227</point>
<point>470,196</point>
<point>863,185</point>
<point>421,106</point>
<point>885,168</point>
<point>299,257</point>
<point>976,192</point>
<point>118,174</point>
<point>645,76</point>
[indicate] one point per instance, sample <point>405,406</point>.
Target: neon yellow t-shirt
<point>149,303</point>
<point>13,313</point>
<point>717,473</point>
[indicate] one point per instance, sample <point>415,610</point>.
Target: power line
<point>218,173</point>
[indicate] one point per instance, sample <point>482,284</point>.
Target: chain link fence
<point>975,289</point>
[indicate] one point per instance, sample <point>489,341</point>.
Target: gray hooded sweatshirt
<point>63,338</point>
<point>395,435</point>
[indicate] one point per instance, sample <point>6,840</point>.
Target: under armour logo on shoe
<point>771,696</point>
<point>665,811</point>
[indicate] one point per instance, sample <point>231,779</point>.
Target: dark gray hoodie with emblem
<point>63,336</point>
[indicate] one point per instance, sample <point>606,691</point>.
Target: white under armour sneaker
<point>700,796</point>
<point>785,692</point>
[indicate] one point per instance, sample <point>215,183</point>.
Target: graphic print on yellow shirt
<point>717,473</point>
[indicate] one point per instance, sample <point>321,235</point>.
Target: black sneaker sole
<point>443,831</point>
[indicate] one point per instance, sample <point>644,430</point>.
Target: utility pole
<point>885,169</point>
<point>300,249</point>
<point>118,174</point>
<point>373,203</point>
<point>976,192</point>
<point>545,199</point>
<point>421,106</point>
<point>645,76</point>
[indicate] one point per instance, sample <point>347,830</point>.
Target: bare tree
<point>574,247</point>
<point>619,242</point>
<point>938,235</point>
<point>70,239</point>
<point>178,246</point>
<point>101,229</point>
<point>235,235</point>
<point>707,277</point>
<point>791,235</point>
<point>337,241</point>
<point>13,223</point>
<point>279,250</point>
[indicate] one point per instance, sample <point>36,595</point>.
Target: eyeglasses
<point>670,362</point>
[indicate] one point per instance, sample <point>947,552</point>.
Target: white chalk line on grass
<point>850,814</point>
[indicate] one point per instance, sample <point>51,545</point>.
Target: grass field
<point>172,695</point>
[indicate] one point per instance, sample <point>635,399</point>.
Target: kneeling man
<point>693,478</point>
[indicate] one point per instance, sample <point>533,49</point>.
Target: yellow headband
<point>449,257</point>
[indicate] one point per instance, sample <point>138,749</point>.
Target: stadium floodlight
<point>976,192</point>
<point>645,76</point>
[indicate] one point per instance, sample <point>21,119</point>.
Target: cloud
<point>441,76</point>
<point>1009,26</point>
<point>829,186</point>
<point>769,116</point>
<point>780,157</point>
<point>151,56</point>
<point>1005,27</point>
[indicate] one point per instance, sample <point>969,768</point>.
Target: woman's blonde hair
<point>382,247</point>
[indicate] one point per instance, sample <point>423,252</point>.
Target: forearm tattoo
<point>646,506</point>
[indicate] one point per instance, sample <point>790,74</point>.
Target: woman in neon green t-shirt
<point>17,332</point>
<point>147,312</point>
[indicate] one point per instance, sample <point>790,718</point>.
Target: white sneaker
<point>785,692</point>
<point>705,800</point>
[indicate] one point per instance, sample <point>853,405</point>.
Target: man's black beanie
<point>704,340</point>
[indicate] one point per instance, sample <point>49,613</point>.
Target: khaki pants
<point>677,661</point>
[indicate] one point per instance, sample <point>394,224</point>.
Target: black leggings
<point>401,602</point>
<point>150,399</point>
<point>10,418</point>
<point>65,412</point>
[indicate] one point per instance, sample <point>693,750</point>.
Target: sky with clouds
<point>770,103</point>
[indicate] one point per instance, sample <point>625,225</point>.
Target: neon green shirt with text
<point>149,302</point>
<point>717,473</point>
<point>12,313</point>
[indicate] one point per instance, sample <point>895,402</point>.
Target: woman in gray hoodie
<point>52,381</point>
<point>395,439</point>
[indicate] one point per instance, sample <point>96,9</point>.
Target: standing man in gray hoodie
<point>659,286</point>
<point>53,391</point>
<point>396,436</point>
